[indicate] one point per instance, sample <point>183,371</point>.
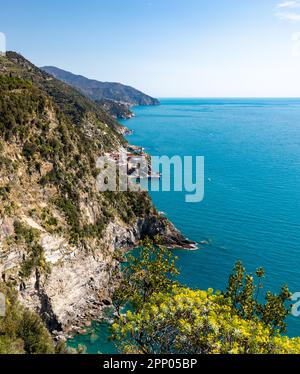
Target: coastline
<point>171,238</point>
<point>182,242</point>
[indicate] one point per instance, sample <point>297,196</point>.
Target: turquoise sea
<point>251,209</point>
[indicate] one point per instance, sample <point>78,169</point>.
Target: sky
<point>166,48</point>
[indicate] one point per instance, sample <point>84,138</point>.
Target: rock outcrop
<point>80,283</point>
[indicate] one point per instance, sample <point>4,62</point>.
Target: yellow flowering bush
<point>197,322</point>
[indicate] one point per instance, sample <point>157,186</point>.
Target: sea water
<point>251,208</point>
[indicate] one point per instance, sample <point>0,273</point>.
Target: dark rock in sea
<point>167,232</point>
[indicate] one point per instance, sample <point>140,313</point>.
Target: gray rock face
<point>81,282</point>
<point>71,293</point>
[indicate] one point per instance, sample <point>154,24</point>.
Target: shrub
<point>22,331</point>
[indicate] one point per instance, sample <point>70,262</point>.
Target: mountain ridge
<point>98,90</point>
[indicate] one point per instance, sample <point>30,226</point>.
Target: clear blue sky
<point>167,48</point>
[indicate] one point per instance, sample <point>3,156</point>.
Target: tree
<point>150,271</point>
<point>244,294</point>
<point>22,331</point>
<point>185,321</point>
<point>167,318</point>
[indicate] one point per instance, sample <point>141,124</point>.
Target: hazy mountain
<point>96,90</point>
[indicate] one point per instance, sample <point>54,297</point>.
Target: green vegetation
<point>61,133</point>
<point>166,318</point>
<point>196,322</point>
<point>4,192</point>
<point>153,270</point>
<point>49,222</point>
<point>244,295</point>
<point>19,103</point>
<point>74,105</point>
<point>22,331</point>
<point>35,254</point>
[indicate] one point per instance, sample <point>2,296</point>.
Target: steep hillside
<point>58,233</point>
<point>72,103</point>
<point>102,90</point>
<point>116,109</point>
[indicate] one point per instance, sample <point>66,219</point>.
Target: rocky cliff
<point>59,236</point>
<point>116,109</point>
